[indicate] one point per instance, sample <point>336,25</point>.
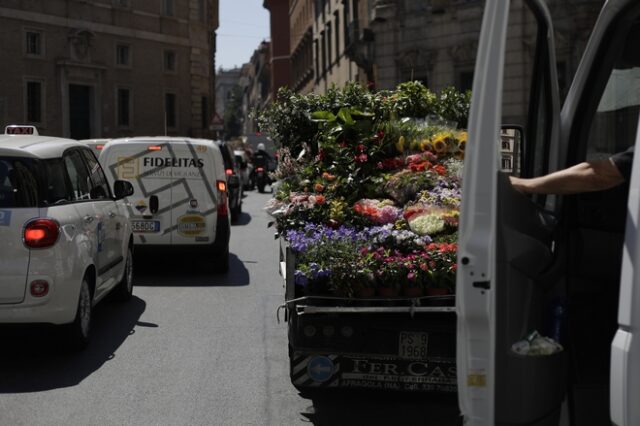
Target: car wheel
<point>79,330</point>
<point>124,289</point>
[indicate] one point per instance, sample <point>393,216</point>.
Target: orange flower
<point>328,177</point>
<point>318,187</point>
<point>320,199</point>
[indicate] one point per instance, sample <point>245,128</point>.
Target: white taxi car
<point>65,241</point>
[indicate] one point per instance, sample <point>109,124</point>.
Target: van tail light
<point>99,147</point>
<point>223,208</point>
<point>39,288</point>
<point>154,148</point>
<point>41,233</point>
<point>228,172</point>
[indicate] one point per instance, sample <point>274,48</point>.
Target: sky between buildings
<point>243,25</point>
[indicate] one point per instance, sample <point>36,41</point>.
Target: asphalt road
<point>190,348</point>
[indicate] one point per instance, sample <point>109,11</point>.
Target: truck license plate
<point>413,345</point>
<point>145,225</point>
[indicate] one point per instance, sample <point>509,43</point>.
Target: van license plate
<point>145,225</point>
<point>413,345</point>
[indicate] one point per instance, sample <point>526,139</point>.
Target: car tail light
<point>39,288</point>
<point>228,172</point>
<point>41,233</point>
<point>260,169</point>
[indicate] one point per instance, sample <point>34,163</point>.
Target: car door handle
<point>88,219</point>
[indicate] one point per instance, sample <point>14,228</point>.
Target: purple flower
<point>300,278</point>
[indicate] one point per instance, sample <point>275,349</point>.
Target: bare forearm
<point>583,177</point>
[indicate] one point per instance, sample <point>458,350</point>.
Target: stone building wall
<point>104,68</point>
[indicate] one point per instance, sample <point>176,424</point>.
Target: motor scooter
<point>262,178</point>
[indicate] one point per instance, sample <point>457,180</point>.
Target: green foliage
<point>297,121</point>
<point>454,106</point>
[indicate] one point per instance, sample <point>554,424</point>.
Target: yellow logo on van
<point>191,225</point>
<point>128,168</point>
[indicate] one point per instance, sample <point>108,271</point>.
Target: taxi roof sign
<point>15,129</point>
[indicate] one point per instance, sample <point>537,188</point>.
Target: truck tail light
<point>39,288</point>
<point>221,185</point>
<point>41,233</point>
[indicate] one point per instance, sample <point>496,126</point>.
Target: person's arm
<point>584,177</point>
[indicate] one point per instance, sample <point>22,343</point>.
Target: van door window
<point>615,122</point>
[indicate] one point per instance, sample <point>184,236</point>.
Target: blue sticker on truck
<point>5,217</point>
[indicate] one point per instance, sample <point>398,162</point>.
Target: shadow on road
<point>243,219</point>
<point>33,359</point>
<point>185,271</point>
<point>338,408</point>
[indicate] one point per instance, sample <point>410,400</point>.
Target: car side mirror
<point>122,188</point>
<point>511,147</point>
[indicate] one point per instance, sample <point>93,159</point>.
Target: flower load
<point>370,201</point>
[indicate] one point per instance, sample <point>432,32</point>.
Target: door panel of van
<point>506,254</point>
<point>194,194</point>
<point>147,165</point>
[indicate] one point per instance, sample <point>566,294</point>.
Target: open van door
<point>625,349</point>
<point>505,238</point>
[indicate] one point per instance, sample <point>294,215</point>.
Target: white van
<point>564,266</point>
<point>180,199</point>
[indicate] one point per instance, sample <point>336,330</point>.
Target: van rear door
<point>148,166</point>
<point>194,193</point>
<point>18,204</point>
<point>505,238</point>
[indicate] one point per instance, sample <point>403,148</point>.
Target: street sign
<point>216,122</point>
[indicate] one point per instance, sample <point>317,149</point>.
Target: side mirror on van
<point>510,147</point>
<point>122,188</point>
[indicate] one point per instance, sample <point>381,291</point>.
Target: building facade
<point>226,82</point>
<point>108,68</point>
<point>301,18</point>
<point>436,42</point>
<point>338,58</point>
<point>280,55</point>
<point>256,83</point>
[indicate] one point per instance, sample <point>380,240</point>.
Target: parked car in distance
<point>181,202</point>
<point>66,240</point>
<point>246,168</point>
<point>231,170</point>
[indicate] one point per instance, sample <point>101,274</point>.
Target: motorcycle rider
<point>261,158</point>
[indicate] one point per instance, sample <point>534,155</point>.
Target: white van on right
<point>559,265</point>
<point>181,201</point>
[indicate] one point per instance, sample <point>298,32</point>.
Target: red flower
<point>320,199</point>
<point>360,148</point>
<point>440,169</point>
